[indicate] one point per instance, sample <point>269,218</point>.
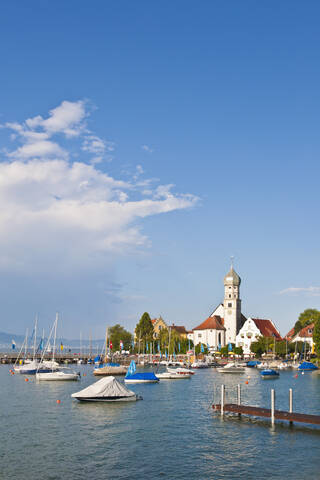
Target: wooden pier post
<point>239,397</point>
<point>222,400</point>
<point>272,405</point>
<point>290,403</point>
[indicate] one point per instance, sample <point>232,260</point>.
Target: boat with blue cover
<point>307,366</point>
<point>143,377</point>
<point>269,373</point>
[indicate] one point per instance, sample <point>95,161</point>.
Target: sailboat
<point>109,368</point>
<point>30,367</point>
<point>143,377</point>
<point>60,373</point>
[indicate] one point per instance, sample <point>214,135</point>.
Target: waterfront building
<point>252,329</point>
<point>305,335</point>
<point>180,329</point>
<point>158,325</point>
<point>210,332</point>
<point>223,324</point>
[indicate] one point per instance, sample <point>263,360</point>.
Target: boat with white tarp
<point>107,389</point>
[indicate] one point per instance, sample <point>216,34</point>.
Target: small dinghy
<point>269,373</point>
<point>144,377</point>
<point>107,389</point>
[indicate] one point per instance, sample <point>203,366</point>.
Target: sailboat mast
<point>35,337</point>
<point>54,339</point>
<point>26,345</point>
<point>106,351</point>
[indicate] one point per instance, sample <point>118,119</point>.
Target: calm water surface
<point>171,434</point>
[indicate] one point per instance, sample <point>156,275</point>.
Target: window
<point>229,288</point>
<point>229,305</point>
<point>160,327</point>
<point>229,296</point>
<point>199,335</point>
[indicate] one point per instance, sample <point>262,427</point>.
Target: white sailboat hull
<point>57,376</point>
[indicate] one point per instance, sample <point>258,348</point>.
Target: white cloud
<point>146,148</point>
<point>311,291</point>
<point>60,213</point>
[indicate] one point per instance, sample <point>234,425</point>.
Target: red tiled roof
<point>154,320</point>
<point>304,332</point>
<point>289,335</point>
<point>211,323</point>
<point>267,328</point>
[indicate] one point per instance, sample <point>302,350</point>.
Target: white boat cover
<point>107,387</point>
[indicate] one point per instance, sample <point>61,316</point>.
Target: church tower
<point>232,305</point>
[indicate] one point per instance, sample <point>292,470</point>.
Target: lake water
<point>172,433</point>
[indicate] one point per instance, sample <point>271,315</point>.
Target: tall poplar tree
<point>144,329</point>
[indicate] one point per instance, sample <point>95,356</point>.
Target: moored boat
<point>269,373</point>
<point>144,377</point>
<point>106,389</point>
<point>231,368</point>
<point>307,366</point>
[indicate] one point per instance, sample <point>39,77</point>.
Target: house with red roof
<point>252,329</point>
<point>305,335</point>
<point>210,332</point>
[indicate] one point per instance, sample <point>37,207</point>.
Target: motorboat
<point>199,365</point>
<point>58,375</point>
<point>169,375</point>
<point>231,368</point>
<point>180,371</point>
<point>106,389</point>
<point>269,373</point>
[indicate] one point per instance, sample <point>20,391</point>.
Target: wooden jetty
<point>271,413</point>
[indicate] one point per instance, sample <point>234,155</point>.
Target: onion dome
<point>232,278</point>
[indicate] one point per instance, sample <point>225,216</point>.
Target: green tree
<point>310,315</point>
<point>316,337</point>
<point>144,330</point>
<point>117,333</point>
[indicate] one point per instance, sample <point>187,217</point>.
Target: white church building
<point>224,323</point>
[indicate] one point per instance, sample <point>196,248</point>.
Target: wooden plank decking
<point>266,412</point>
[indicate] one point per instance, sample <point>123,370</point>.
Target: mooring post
<point>290,403</point>
<point>222,399</point>
<point>239,397</point>
<point>272,405</point>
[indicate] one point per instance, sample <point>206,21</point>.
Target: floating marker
<point>26,379</point>
<point>58,401</point>
<point>247,383</point>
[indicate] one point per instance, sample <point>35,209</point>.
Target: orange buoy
<point>247,382</point>
<point>26,379</point>
<point>58,401</point>
<point>84,374</point>
<point>296,376</point>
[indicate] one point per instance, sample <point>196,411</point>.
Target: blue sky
<point>143,144</point>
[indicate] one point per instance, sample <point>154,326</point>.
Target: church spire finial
<point>232,260</point>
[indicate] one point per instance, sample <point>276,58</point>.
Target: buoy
<point>58,401</point>
<point>26,379</point>
<point>247,383</point>
<point>296,376</point>
<point>249,377</point>
<point>84,374</point>
<point>302,373</point>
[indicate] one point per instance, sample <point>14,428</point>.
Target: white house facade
<point>252,329</point>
